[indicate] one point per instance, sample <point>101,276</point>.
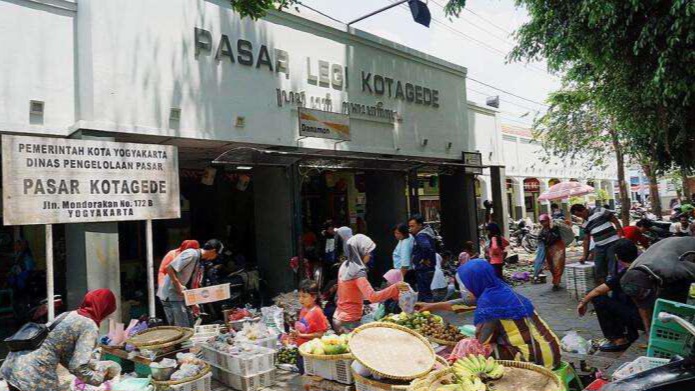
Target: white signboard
<point>323,124</point>
<point>53,181</point>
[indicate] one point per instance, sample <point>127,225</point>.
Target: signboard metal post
<point>49,273</point>
<point>150,267</point>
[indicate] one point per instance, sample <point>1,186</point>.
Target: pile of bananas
<point>472,371</point>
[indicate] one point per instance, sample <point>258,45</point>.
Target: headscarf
<point>97,305</point>
<point>496,300</point>
<point>344,233</point>
<point>393,276</point>
<point>544,216</point>
<point>357,247</point>
<point>188,244</point>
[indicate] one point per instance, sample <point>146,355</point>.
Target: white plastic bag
<point>574,343</point>
<point>407,300</point>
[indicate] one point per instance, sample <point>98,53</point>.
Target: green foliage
<point>602,195</point>
<point>636,56</point>
<point>255,9</point>
<point>576,200</point>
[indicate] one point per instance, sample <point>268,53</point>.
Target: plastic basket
<point>579,279</point>
<point>244,383</point>
<point>338,370</point>
<point>669,339</point>
<point>269,342</point>
<point>263,360</point>
<point>641,364</point>
<point>202,384</point>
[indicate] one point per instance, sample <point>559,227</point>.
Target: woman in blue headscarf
<point>504,319</point>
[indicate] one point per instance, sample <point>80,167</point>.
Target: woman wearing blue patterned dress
<point>71,344</point>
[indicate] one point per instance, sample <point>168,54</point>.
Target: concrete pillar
<point>386,207</point>
<point>458,210</point>
<point>544,205</point>
<point>611,193</point>
<point>598,185</point>
<point>277,234</point>
<point>92,256</point>
<point>498,186</point>
<point>413,192</point>
<point>519,199</point>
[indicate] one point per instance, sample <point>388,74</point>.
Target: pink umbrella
<point>565,190</point>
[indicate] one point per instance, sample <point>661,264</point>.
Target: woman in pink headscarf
<point>554,249</point>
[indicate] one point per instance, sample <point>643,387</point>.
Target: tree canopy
<point>637,56</point>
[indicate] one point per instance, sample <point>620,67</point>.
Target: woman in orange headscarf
<point>171,255</point>
<point>71,343</point>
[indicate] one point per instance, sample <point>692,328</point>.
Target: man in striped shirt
<point>601,225</point>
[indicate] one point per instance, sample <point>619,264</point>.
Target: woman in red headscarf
<point>171,255</point>
<point>71,344</point>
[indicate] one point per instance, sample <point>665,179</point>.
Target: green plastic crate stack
<point>669,339</point>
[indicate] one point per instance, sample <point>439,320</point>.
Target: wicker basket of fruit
<point>476,373</point>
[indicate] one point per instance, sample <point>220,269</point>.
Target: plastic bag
<point>274,318</point>
<point>407,300</point>
<point>468,346</point>
<point>574,343</point>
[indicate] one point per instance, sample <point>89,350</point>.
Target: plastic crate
<point>270,342</point>
<point>579,279</point>
<point>338,370</point>
<point>263,360</point>
<point>641,364</point>
<point>202,384</point>
<point>244,383</point>
<point>669,339</point>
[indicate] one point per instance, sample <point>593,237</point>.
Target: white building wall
<point>120,66</point>
<point>37,62</point>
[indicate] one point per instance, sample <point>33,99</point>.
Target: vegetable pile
<point>288,355</point>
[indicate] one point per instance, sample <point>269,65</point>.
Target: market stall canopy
<point>335,160</point>
<point>565,190</point>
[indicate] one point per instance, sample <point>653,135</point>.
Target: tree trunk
<point>684,182</point>
<point>653,190</point>
<point>622,184</point>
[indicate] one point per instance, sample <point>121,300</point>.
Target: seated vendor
<point>617,314</point>
<point>503,318</point>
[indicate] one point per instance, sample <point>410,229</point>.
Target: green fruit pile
<point>327,345</point>
<point>416,321</point>
<point>288,356</point>
<point>472,372</point>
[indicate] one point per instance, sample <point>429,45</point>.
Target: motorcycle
<point>523,236</point>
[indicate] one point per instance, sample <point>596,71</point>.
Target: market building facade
<point>529,174</point>
<point>280,124</point>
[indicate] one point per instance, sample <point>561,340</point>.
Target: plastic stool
<point>568,376</point>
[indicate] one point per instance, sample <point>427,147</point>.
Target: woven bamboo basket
<point>390,386</point>
<point>443,342</point>
<point>427,383</point>
<point>426,346</point>
<point>164,384</point>
<point>169,338</point>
